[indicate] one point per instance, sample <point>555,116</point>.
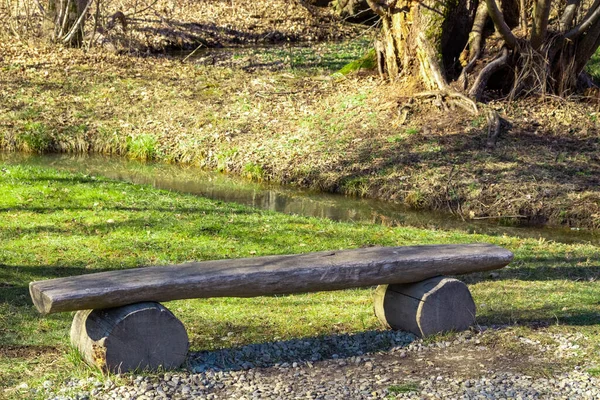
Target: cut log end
<point>425,308</point>
<point>141,336</point>
<point>40,299</point>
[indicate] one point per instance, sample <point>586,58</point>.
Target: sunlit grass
<point>59,224</point>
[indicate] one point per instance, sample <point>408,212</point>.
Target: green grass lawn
<point>55,224</point>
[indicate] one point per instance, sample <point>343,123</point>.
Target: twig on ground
<point>192,53</point>
<point>500,216</point>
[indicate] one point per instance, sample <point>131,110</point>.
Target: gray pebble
<point>361,366</point>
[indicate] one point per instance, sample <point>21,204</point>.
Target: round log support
<point>140,336</point>
<point>425,308</point>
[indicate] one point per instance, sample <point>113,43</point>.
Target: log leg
<point>424,308</point>
<point>141,336</point>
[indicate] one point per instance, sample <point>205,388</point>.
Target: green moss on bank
<point>366,62</point>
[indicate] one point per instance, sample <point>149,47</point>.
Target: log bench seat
<point>121,326</point>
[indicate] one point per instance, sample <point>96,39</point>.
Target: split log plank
<point>258,276</point>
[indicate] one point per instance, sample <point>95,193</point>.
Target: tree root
<point>463,79</point>
<point>480,83</point>
<point>448,99</point>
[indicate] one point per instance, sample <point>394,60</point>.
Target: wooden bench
<point>122,327</point>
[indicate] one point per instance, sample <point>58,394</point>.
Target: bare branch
<point>587,23</point>
<point>523,15</point>
<point>474,45</point>
<point>78,23</point>
<point>587,45</point>
<point>477,31</point>
<point>40,7</point>
<point>500,24</point>
<point>96,21</point>
<point>65,18</point>
<point>58,18</point>
<point>566,21</point>
<point>591,9</point>
<point>541,15</point>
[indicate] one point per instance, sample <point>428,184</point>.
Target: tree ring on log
<point>140,336</point>
<point>435,305</point>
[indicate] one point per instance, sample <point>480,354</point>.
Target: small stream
<point>284,199</point>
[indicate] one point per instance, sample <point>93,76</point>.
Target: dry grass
<point>279,114</point>
<point>156,25</point>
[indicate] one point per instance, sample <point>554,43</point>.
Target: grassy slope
<point>279,114</point>
<point>56,224</point>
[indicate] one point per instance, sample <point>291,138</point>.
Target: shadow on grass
<point>14,279</point>
<point>537,175</point>
<point>21,83</point>
<point>547,317</point>
<point>175,210</point>
<point>190,35</point>
<point>469,148</point>
<point>179,210</point>
<point>542,273</point>
<point>79,229</point>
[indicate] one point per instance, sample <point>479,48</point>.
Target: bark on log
<point>425,308</point>
<point>141,336</point>
<point>329,270</point>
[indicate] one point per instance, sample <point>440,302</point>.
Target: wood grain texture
<point>428,307</point>
<point>249,277</point>
<point>141,336</point>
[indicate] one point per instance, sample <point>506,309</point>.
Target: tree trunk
<point>424,39</point>
<point>508,47</point>
<point>67,20</point>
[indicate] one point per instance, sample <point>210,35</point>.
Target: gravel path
<point>370,365</point>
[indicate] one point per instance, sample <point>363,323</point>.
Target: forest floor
<point>285,114</point>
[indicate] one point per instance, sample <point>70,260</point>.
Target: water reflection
<point>282,199</point>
